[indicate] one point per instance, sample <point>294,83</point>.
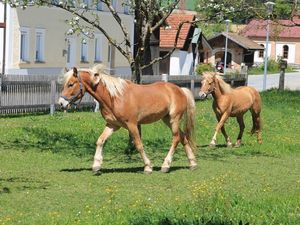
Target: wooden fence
<point>39,93</point>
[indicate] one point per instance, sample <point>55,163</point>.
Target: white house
<point>284,39</point>
<point>37,42</point>
<point>192,47</point>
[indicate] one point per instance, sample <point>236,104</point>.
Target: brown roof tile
<point>168,34</point>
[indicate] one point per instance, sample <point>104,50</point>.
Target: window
<point>39,45</point>
<point>69,51</point>
<point>126,7</point>
<point>285,49</point>
<point>84,52</point>
<point>114,4</point>
<point>261,52</point>
<point>98,48</point>
<point>24,44</point>
<point>86,3</point>
<point>99,6</point>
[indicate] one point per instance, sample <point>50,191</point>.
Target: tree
<point>241,11</point>
<point>149,16</point>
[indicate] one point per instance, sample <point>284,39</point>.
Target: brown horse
<point>231,102</point>
<point>126,104</point>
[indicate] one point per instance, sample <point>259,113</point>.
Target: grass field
<point>45,175</point>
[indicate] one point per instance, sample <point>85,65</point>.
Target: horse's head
<point>208,84</point>
<point>73,88</point>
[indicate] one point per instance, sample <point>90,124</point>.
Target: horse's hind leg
<point>98,158</point>
<point>178,136</point>
<point>256,128</point>
<point>240,120</point>
<point>174,126</point>
<point>134,132</point>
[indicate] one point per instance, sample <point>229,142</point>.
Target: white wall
<point>1,35</point>
<point>256,54</point>
<point>53,21</point>
<point>181,63</point>
<point>292,52</point>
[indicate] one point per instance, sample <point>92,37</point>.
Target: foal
<point>229,102</point>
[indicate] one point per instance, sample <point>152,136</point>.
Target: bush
<point>203,67</point>
<point>273,67</point>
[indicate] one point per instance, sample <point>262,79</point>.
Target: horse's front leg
<point>227,138</point>
<point>220,124</point>
<point>98,158</point>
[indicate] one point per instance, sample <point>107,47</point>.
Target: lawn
<point>46,177</point>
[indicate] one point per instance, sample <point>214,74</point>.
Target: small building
<point>191,47</point>
<point>38,42</point>
<point>284,39</point>
<point>239,50</point>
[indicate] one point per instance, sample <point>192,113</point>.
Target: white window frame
<point>98,48</point>
<point>40,47</point>
<point>84,52</point>
<point>24,44</point>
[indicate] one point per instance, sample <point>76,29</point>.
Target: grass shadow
<point>122,170</point>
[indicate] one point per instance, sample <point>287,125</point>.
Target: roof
<point>257,28</point>
<point>168,33</point>
<point>244,42</point>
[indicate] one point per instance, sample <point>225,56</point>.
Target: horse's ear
<point>75,72</point>
<point>96,78</point>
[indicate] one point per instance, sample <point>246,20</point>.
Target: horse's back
<point>151,102</point>
<point>245,98</point>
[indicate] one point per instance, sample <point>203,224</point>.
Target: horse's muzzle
<point>202,95</point>
<point>63,102</point>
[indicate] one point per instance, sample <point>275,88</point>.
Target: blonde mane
<point>225,88</point>
<point>114,85</point>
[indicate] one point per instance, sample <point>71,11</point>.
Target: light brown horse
<point>126,104</point>
<point>231,102</point>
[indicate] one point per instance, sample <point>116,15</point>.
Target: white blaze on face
<point>63,102</point>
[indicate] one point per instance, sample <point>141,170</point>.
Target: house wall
<point>53,22</point>
<point>276,49</point>
<point>236,60</point>
<point>181,63</point>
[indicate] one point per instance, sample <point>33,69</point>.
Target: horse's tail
<point>256,118</point>
<point>190,118</point>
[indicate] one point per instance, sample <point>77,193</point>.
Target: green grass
<point>45,175</point>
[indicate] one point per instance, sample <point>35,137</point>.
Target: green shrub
<point>203,67</point>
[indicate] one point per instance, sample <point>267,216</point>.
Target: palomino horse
<point>126,104</point>
<point>231,102</point>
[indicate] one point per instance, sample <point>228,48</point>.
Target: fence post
<point>52,96</point>
<point>283,66</point>
<point>164,77</point>
<point>244,73</point>
<point>193,86</point>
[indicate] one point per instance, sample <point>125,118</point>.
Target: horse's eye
<point>70,84</point>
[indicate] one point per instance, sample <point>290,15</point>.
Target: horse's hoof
<point>229,145</point>
<point>165,169</point>
<point>96,169</point>
<point>193,167</point>
<point>237,145</point>
<point>212,145</point>
<point>147,172</point>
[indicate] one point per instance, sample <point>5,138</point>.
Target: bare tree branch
<point>165,16</point>
<point>119,21</point>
